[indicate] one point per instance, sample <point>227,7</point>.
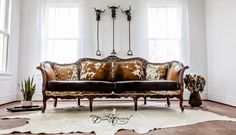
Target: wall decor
<point>98,17</point>
<point>113,15</point>
<point>128,14</point>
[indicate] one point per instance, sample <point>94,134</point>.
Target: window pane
<point>164,23</point>
<point>62,28</point>
<point>63,22</point>
<point>3,52</point>
<point>152,22</point>
<point>62,51</point>
<point>164,50</point>
<point>164,33</point>
<point>2,14</point>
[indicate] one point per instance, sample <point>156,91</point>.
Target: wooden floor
<point>204,128</point>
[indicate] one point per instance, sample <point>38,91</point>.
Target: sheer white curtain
<point>61,30</point>
<point>4,33</point>
<point>167,30</point>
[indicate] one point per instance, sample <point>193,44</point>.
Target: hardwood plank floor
<point>204,128</point>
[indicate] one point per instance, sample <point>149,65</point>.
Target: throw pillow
<point>66,72</point>
<point>101,71</point>
<point>129,70</point>
<point>49,72</point>
<point>174,72</point>
<point>156,71</point>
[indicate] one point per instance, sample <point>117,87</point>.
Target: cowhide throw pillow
<point>156,72</point>
<point>101,71</point>
<point>130,70</point>
<point>66,72</point>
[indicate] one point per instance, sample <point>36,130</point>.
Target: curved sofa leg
<point>91,104</point>
<point>44,104</point>
<point>168,102</point>
<point>78,101</point>
<point>181,103</point>
<point>55,102</point>
<point>135,103</point>
<point>145,100</point>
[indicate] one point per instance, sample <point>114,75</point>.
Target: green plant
<point>194,82</point>
<point>27,88</point>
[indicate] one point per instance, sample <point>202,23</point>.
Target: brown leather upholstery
<point>174,72</point>
<point>49,72</point>
<point>103,86</point>
<point>135,85</point>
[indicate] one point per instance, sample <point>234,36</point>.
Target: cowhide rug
<point>107,122</point>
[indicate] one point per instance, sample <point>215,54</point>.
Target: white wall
<point>29,56</point>
<point>8,82</point>
<point>197,39</point>
<point>221,47</point>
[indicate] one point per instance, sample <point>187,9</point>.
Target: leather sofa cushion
<point>101,71</point>
<point>174,72</point>
<point>49,72</point>
<point>102,86</point>
<point>156,71</point>
<point>121,86</point>
<point>66,72</point>
<point>128,70</point>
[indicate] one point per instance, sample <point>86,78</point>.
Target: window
<point>164,33</point>
<point>62,33</point>
<point>4,34</point>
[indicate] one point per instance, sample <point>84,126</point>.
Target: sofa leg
<point>55,102</point>
<point>145,100</point>
<point>78,101</point>
<point>181,103</point>
<point>168,102</point>
<point>135,103</point>
<point>91,104</point>
<point>44,104</point>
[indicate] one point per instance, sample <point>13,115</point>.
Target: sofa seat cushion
<point>154,85</point>
<point>101,86</point>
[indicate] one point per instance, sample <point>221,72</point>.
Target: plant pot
<point>26,104</point>
<point>195,99</point>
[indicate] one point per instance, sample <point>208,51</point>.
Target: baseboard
<point>7,98</point>
<point>222,99</point>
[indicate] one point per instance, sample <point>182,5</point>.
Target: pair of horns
<point>126,10</point>
<point>99,10</point>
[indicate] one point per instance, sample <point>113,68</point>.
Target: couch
<point>112,77</point>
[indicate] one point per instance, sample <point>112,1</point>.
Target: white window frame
<point>5,32</point>
<point>163,5</point>
<point>46,38</point>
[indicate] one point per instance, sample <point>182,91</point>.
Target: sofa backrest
<point>113,68</point>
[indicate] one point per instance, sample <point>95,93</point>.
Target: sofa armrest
<point>44,77</point>
<point>181,75</point>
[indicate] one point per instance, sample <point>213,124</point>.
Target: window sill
<point>5,76</point>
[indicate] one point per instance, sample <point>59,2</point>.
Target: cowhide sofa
<point>112,77</point>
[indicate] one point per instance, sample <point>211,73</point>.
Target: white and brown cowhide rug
<point>107,122</point>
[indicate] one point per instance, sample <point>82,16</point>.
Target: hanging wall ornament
<point>128,14</point>
<point>98,17</point>
<point>113,15</point>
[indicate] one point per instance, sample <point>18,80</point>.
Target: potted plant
<point>27,87</point>
<point>195,84</point>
